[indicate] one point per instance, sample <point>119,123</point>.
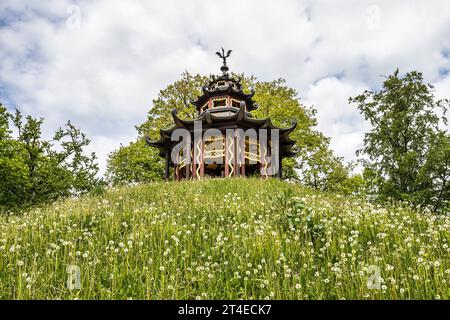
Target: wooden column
<point>236,155</point>
<point>234,150</point>
<point>263,160</point>
<point>167,167</point>
<point>202,164</point>
<point>188,171</point>
<point>227,168</point>
<point>176,169</point>
<point>194,165</point>
<point>188,165</point>
<point>260,162</point>
<point>280,168</point>
<point>242,155</point>
<point>198,159</point>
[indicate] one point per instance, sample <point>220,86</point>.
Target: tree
<point>406,152</point>
<point>177,95</point>
<point>434,176</point>
<point>135,163</point>
<point>282,105</point>
<point>314,165</point>
<point>34,170</point>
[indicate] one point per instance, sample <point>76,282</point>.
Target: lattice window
<point>235,103</point>
<point>219,102</point>
<point>214,150</point>
<point>252,151</point>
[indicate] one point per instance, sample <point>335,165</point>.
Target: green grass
<point>224,239</point>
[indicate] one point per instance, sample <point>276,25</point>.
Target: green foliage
<point>138,162</point>
<point>433,178</point>
<point>315,165</point>
<point>407,155</point>
<point>34,170</point>
<point>135,163</point>
<point>224,239</point>
<point>175,96</point>
<point>314,161</point>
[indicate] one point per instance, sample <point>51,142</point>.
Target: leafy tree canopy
<point>34,170</point>
<point>406,154</point>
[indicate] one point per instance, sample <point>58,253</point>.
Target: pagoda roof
<point>238,118</point>
<point>229,86</point>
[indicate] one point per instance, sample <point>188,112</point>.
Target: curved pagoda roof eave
<point>241,117</point>
<point>229,90</point>
<point>290,129</point>
<point>153,143</point>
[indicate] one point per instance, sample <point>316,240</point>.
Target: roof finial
<point>224,57</point>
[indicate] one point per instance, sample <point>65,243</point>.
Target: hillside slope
<point>223,239</point>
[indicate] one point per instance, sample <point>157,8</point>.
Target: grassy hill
<point>224,239</point>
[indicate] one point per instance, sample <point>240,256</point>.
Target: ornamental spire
<point>224,57</point>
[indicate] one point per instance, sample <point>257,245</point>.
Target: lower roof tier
<point>232,118</point>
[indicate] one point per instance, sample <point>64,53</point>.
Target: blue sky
<point>100,63</point>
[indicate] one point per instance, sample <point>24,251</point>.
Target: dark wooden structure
<point>239,149</point>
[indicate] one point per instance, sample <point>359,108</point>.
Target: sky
<point>101,63</point>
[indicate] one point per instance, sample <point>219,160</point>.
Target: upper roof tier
<point>224,85</point>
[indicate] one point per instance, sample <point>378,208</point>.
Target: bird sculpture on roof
<point>224,57</point>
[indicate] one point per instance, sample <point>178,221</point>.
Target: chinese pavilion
<point>225,139</point>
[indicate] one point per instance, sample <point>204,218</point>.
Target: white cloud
<point>337,119</point>
<point>104,74</point>
<point>442,88</point>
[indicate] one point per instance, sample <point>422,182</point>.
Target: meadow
<point>223,239</point>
